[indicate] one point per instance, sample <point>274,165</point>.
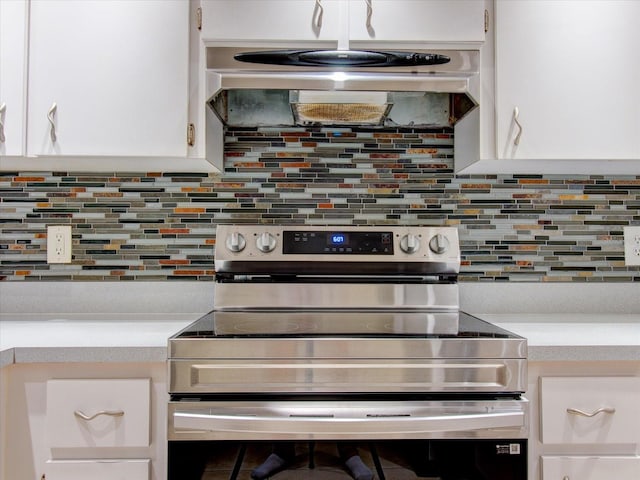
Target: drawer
<point>98,470</point>
<point>590,468</point>
<point>611,402</point>
<point>116,413</point>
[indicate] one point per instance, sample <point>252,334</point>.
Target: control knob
<point>439,244</point>
<point>266,242</point>
<point>409,243</point>
<point>236,242</point>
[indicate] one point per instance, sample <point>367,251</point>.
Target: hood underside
<point>260,107</point>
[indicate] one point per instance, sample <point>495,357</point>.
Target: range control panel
<point>337,242</point>
<point>326,247</point>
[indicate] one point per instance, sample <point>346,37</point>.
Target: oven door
<point>347,420</point>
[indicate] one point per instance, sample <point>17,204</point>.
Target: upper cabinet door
<point>108,78</point>
<point>412,21</point>
<point>572,71</point>
<point>13,28</point>
<point>255,21</point>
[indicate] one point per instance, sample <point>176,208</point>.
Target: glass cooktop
<point>361,324</point>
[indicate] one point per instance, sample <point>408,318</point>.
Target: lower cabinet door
<point>590,468</point>
<point>98,469</point>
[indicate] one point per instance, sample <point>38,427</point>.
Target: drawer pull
<point>110,413</point>
<point>575,411</point>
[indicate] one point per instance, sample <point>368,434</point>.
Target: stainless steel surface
<point>356,81</point>
<point>346,375</point>
<point>288,295</point>
<point>337,347</point>
<point>259,84</point>
<point>336,420</point>
<point>339,333</point>
<point>419,260</point>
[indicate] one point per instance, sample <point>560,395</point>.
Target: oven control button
<point>439,244</point>
<point>409,243</point>
<point>266,242</point>
<point>236,242</point>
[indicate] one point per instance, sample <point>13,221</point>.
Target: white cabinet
<point>241,21</point>
<point>338,21</point>
<point>13,43</point>
<point>108,78</point>
<point>98,470</point>
<point>590,468</point>
<point>411,21</point>
<point>47,438</point>
<point>97,416</point>
<point>583,421</point>
<point>572,70</point>
<point>98,413</point>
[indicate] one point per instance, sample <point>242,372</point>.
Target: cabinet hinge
<point>199,18</point>
<point>486,21</point>
<point>191,134</point>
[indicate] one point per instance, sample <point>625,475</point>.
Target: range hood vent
<point>266,107</point>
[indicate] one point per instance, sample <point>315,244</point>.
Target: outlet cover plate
<point>632,246</point>
<point>59,244</point>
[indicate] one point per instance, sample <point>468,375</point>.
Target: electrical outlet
<point>59,244</point>
<point>632,245</point>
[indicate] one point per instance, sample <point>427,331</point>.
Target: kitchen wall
<point>161,225</point>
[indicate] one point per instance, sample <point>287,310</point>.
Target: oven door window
<point>326,460</point>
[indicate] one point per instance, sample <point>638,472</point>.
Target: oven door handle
<point>328,426</point>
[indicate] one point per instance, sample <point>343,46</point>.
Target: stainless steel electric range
<point>351,333</point>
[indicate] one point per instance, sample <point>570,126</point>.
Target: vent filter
<point>339,107</point>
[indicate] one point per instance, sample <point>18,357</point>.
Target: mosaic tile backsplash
<point>162,225</point>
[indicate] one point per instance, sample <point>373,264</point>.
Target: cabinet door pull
<point>110,413</point>
<point>50,115</point>
<point>575,411</point>
<point>317,13</point>
<point>516,114</point>
<point>3,109</point>
<point>369,14</point>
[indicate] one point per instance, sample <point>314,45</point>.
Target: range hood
<point>410,88</point>
<point>371,89</point>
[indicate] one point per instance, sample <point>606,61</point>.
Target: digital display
<point>338,239</point>
<point>319,242</point>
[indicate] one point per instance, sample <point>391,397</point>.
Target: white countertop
<point>577,337</point>
<point>86,337</point>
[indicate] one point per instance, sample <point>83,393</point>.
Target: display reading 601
<point>338,239</point>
